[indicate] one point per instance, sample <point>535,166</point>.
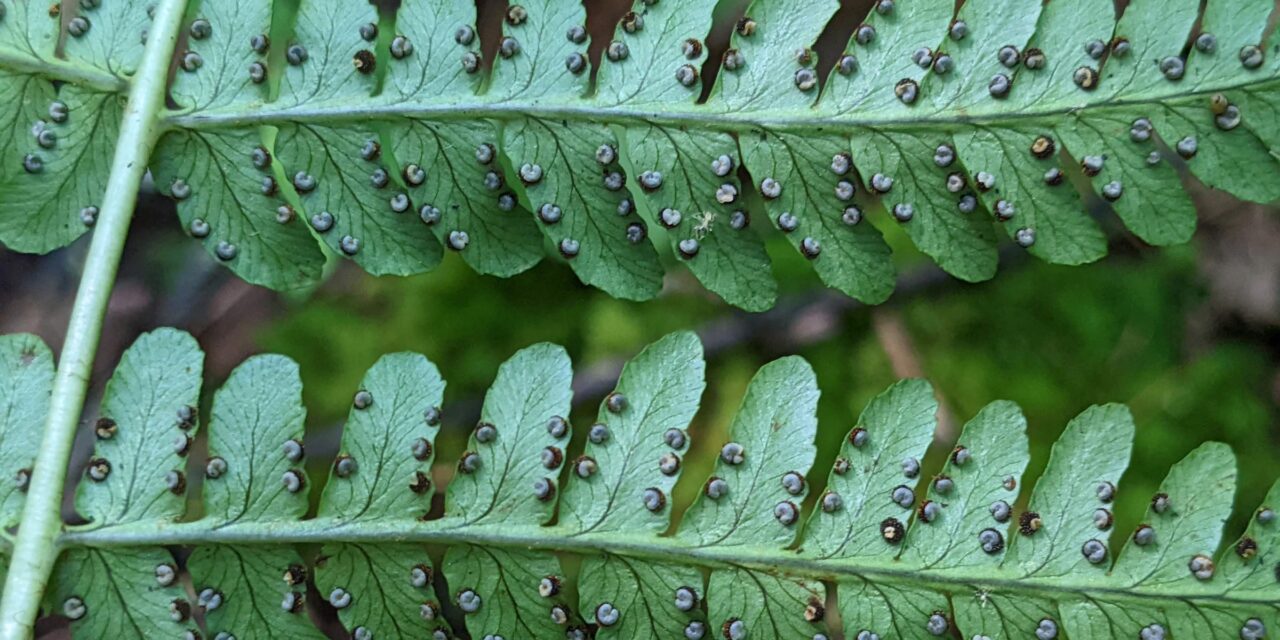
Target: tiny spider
<point>702,224</point>
<point>982,596</point>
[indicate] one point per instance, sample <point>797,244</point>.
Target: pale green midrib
<point>554,539</point>
<point>62,70</point>
<point>696,116</point>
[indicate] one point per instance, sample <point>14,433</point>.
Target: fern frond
<point>547,535</point>
<point>363,130</point>
<point>60,116</point>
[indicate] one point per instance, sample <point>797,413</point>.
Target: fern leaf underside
<point>545,534</point>
<point>390,139</point>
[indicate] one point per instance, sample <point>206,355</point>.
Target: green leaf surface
<point>388,443</point>
<point>255,591</point>
<point>465,202</point>
<point>327,41</point>
<point>228,212</point>
<point>1003,613</point>
<point>1245,572</point>
<point>113,36</point>
<point>1263,109</point>
<point>884,59</point>
<point>60,136</point>
<point>538,70</point>
<point>256,430</point>
<point>1162,213</point>
<point>370,212</point>
<point>765,605</point>
<point>780,73</point>
<point>961,242</point>
<point>51,193</point>
<point>1156,30</point>
<point>435,67</point>
<point>644,595</point>
<point>26,384</point>
<point>1092,619</point>
<point>898,425</point>
<point>1046,218</point>
<point>992,27</point>
<point>771,436</point>
<point>645,443</point>
<point>644,75</point>
<point>889,610</point>
<point>578,214</point>
<point>1237,24</point>
<point>733,566</point>
<point>28,30</point>
<point>1065,28</point>
<point>1192,122</point>
<point>983,470</point>
<point>225,48</point>
<point>1084,470</point>
<point>116,594</point>
<point>851,254</point>
<point>700,210</point>
<point>507,454</point>
<point>381,591</point>
<point>148,412</point>
<point>1189,524</point>
<point>498,591</point>
<point>355,198</point>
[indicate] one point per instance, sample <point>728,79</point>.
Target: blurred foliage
<point>1053,339</point>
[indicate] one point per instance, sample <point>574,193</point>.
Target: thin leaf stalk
<point>63,71</point>
<point>688,117</point>
<point>668,550</point>
<point>35,549</point>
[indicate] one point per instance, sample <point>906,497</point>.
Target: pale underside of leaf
<point>662,387</point>
<point>382,470</point>
<point>26,384</point>
<point>496,479</point>
<point>733,565</point>
<point>257,429</point>
<point>253,585</point>
<point>137,473</point>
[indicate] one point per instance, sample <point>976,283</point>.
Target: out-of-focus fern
<point>548,535</point>
<point>392,137</point>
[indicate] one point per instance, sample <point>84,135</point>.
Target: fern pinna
<point>550,534</point>
<point>389,137</point>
